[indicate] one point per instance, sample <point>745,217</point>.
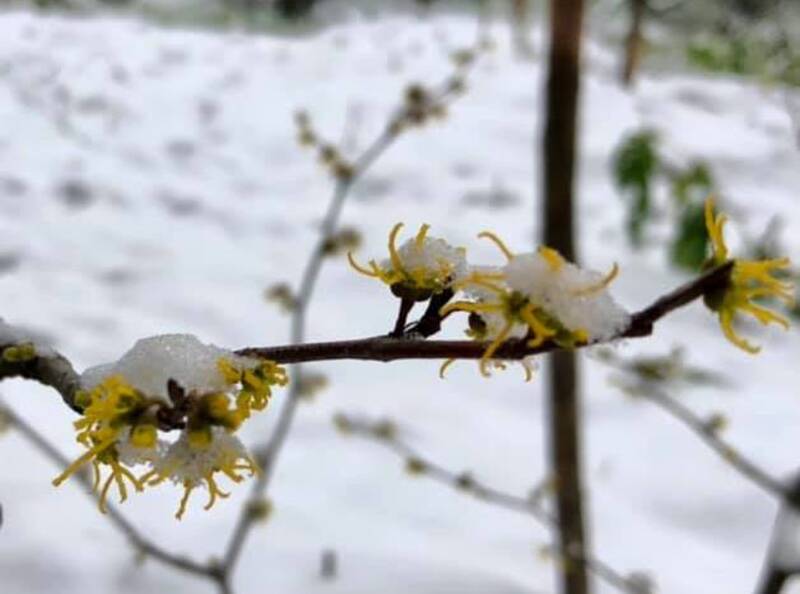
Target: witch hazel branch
<point>511,311</point>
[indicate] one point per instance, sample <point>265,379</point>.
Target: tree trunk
<point>635,42</point>
<point>520,27</point>
<point>772,581</point>
<point>559,165</point>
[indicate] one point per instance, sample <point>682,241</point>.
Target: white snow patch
<point>433,256</point>
<point>13,335</point>
<point>182,462</point>
<point>563,293</point>
<point>155,360</point>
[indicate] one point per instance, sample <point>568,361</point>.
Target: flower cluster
<point>164,383</point>
<point>749,282</point>
<point>533,297</point>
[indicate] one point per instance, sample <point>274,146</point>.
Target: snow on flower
<point>537,297</point>
<point>575,296</point>
<point>420,267</point>
<point>155,360</point>
<point>164,383</point>
<point>191,464</point>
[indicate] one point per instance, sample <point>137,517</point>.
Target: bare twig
<point>648,374</point>
<point>384,348</point>
<point>384,433</point>
<point>645,377</point>
<point>137,540</point>
<point>53,370</point>
<point>57,372</point>
<point>708,432</point>
<point>267,456</point>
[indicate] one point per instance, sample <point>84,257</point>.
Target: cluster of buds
<point>330,157</point>
<point>282,295</point>
<point>163,384</point>
<point>344,240</point>
<point>18,353</point>
<point>420,105</point>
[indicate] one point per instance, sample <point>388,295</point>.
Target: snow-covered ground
<point>150,183</point>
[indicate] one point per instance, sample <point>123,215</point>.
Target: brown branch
<point>384,434</point>
<point>52,369</point>
<point>136,539</point>
<point>57,372</point>
<point>385,348</point>
<point>267,456</point>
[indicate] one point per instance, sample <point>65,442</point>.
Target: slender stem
<point>383,348</point>
<point>136,538</point>
<point>57,372</point>
<point>773,579</point>
<point>52,370</point>
<point>745,466</point>
<point>402,317</point>
<point>465,483</point>
<point>267,457</point>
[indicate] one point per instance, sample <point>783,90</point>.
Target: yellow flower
<point>111,411</point>
<point>119,428</point>
<point>500,312</point>
<point>420,267</point>
<point>749,280</point>
<point>193,463</point>
<point>256,383</point>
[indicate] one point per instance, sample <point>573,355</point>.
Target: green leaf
<point>689,247</point>
<point>692,185</point>
<point>634,165</point>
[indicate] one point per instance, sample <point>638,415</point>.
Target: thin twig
<point>709,434</point>
<point>268,455</point>
<point>137,540</point>
<point>383,348</point>
<point>384,434</point>
<point>56,371</point>
<point>53,370</point>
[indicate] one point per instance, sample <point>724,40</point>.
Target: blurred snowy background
<point>150,182</point>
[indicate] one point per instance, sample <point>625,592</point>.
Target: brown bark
<point>559,167</point>
<point>634,44</point>
<point>773,581</point>
<point>520,26</point>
